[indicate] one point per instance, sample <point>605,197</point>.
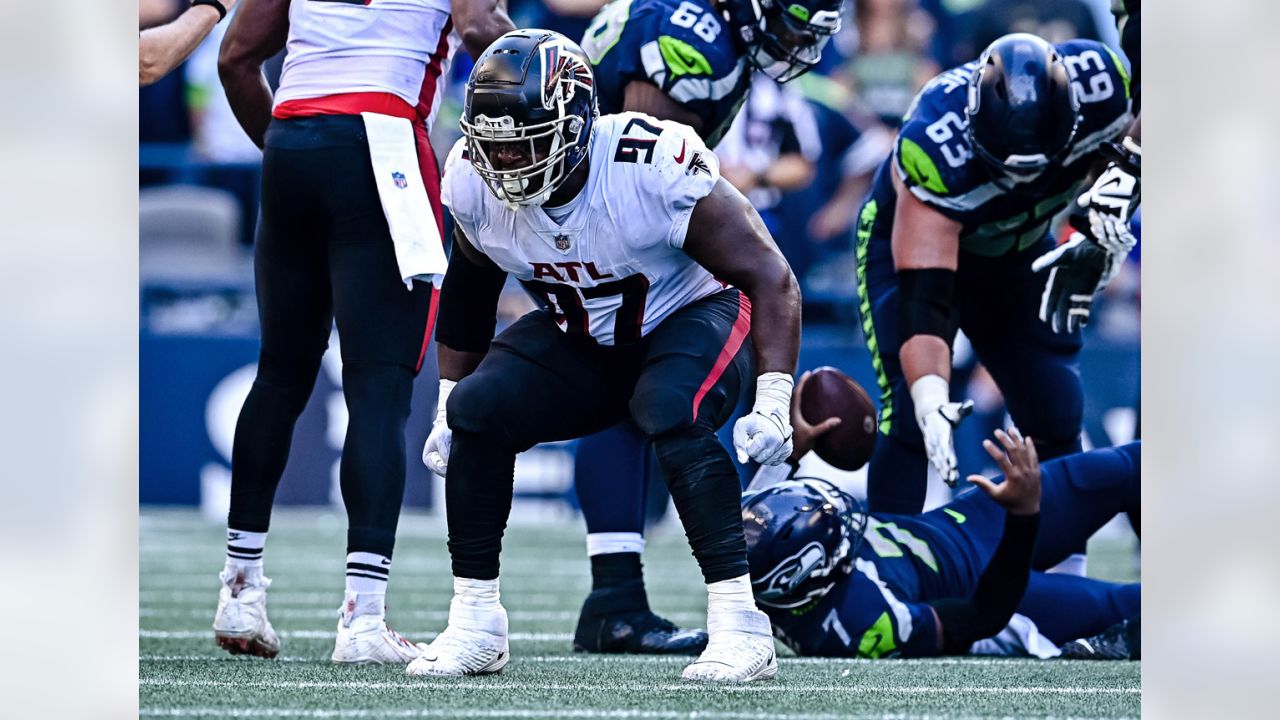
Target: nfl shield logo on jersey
<point>562,242</point>
<point>401,182</point>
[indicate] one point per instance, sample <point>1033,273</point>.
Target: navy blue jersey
<point>933,158</point>
<point>903,563</point>
<point>682,46</point>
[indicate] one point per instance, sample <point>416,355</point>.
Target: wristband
<point>773,393</point>
<point>215,4</point>
<point>442,400</point>
<point>929,393</point>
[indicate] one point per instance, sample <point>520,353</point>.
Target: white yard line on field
<point>325,612</point>
<point>331,634</point>
<point>647,660</point>
<point>517,713</point>
<point>489,685</point>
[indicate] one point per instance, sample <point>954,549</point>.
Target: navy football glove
<point>1076,271</point>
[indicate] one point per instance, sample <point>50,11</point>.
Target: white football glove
<point>1108,206</point>
<point>938,418</point>
<point>765,434</point>
<point>435,454</point>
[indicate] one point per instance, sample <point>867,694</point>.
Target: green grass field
<point>544,578</point>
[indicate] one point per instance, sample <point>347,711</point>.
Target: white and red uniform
<point>614,262</point>
<point>384,56</point>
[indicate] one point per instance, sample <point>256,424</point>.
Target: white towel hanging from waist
<point>394,155</point>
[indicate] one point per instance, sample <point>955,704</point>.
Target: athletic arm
<point>480,22</point>
<point>468,309</point>
<point>163,48</point>
<point>727,237</point>
<point>926,250</point>
<point>645,97</point>
<point>257,32</point>
<point>961,622</point>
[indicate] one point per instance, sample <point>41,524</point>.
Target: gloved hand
<point>1077,270</point>
<point>765,434</point>
<point>938,417</point>
<point>435,454</point>
<point>1104,211</point>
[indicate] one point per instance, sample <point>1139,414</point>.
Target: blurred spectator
<point>891,63</point>
<point>1054,20</point>
<point>162,111</point>
<point>770,149</point>
<point>567,17</point>
<point>163,48</point>
<point>218,136</point>
<point>858,168</point>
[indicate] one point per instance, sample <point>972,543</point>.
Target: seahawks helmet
<point>1023,111</point>
<point>531,96</point>
<point>802,536</point>
<point>783,38</point>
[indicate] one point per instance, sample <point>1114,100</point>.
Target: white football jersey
<point>400,47</point>
<point>615,267</point>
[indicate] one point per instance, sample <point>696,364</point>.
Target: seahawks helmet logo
<point>776,587</point>
<point>562,73</point>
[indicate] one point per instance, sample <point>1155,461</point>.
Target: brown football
<point>830,393</point>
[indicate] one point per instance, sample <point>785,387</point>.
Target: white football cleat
<point>366,640</point>
<point>240,626</point>
<point>740,649</point>
<point>474,643</point>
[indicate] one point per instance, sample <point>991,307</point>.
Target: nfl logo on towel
<point>562,242</point>
<point>401,182</point>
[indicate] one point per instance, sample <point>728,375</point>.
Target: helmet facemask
<point>791,40</point>
<point>529,115</point>
<point>547,145</point>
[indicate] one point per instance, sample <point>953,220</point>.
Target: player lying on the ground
<point>622,228</point>
<point>839,582</point>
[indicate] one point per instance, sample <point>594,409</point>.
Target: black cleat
<point>1122,641</point>
<point>618,620</point>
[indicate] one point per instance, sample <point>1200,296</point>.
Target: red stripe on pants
<point>431,179</point>
<point>741,327</point>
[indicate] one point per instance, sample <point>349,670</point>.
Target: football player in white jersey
<point>661,291</point>
<point>350,215</point>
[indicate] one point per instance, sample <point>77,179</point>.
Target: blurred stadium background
<point>198,200</point>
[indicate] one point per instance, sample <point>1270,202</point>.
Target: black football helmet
<point>1023,111</point>
<point>532,91</point>
<point>802,536</point>
<point>783,38</point>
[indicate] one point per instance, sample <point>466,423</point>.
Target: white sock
<point>367,573</point>
<point>476,606</point>
<point>614,542</point>
<point>244,554</point>
<point>359,604</point>
<point>730,595</point>
<point>1074,564</point>
<point>476,593</point>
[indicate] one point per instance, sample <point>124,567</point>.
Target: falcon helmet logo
<point>562,242</point>
<point>562,74</point>
<point>401,181</point>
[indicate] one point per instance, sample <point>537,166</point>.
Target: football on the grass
<point>830,393</point>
